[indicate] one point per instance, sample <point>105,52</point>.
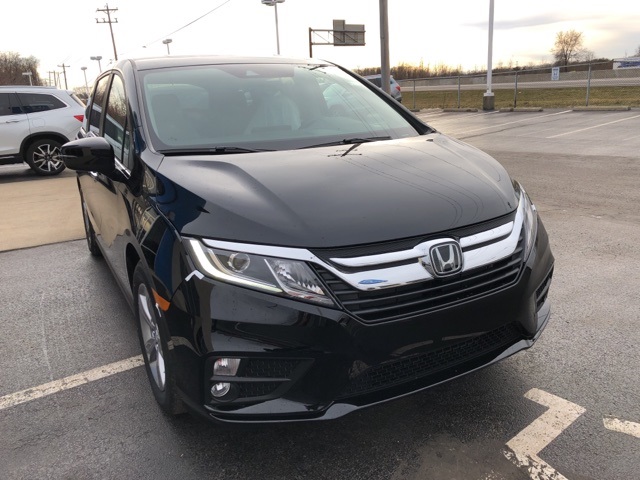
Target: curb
<point>522,109</point>
<point>613,108</point>
<point>459,109</point>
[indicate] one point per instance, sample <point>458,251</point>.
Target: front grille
<point>415,367</point>
<point>327,254</point>
<point>407,300</point>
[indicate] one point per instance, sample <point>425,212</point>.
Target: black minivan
<point>297,245</point>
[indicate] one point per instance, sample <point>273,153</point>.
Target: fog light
<point>226,366</point>
<point>220,389</point>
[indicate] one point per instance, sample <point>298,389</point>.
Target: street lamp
<point>488,99</point>
<point>274,3</point>
<point>167,41</point>
<point>98,58</point>
<point>86,85</point>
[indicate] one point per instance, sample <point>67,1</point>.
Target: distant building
<point>628,62</point>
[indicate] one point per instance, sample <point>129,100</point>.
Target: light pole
<point>488,100</point>
<point>86,85</point>
<point>385,70</point>
<point>98,58</point>
<point>274,3</point>
<point>167,41</point>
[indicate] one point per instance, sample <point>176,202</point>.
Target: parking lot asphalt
<point>548,412</point>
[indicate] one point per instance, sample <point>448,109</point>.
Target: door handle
<point>13,121</point>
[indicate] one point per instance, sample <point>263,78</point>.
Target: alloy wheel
<point>46,157</point>
<point>151,337</point>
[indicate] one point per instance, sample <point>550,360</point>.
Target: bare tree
<point>637,52</point>
<point>568,47</point>
<point>12,66</point>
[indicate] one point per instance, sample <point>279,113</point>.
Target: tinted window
<point>115,121</point>
<point>97,104</point>
<point>77,99</point>
<point>39,102</point>
<point>9,104</point>
<point>376,81</point>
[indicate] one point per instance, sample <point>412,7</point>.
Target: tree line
<point>12,67</point>
<point>568,50</point>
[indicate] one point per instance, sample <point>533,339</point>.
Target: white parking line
<point>66,383</point>
<point>526,446</point>
<point>595,126</point>
<point>516,121</point>
<point>622,426</point>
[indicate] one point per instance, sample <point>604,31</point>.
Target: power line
<point>185,26</point>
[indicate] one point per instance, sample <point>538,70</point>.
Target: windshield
<point>263,107</point>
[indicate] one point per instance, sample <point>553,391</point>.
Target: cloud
<point>535,21</point>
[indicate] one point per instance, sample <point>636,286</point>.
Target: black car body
<point>303,259</point>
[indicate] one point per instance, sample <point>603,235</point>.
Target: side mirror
<point>89,154</point>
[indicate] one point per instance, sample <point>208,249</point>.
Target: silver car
<point>395,91</point>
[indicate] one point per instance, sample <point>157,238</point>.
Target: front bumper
<point>305,362</point>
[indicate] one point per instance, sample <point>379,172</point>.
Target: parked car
<point>396,91</point>
<point>290,260</point>
<point>34,123</point>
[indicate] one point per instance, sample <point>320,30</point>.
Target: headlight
<point>530,223</point>
<point>282,276</point>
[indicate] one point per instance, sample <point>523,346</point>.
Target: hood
<point>335,196</point>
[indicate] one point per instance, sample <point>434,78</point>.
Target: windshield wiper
<point>349,141</point>
<point>217,150</point>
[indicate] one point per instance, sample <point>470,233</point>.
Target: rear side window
<point>77,99</point>
<point>376,81</point>
<point>9,104</point>
<point>97,104</point>
<point>39,102</point>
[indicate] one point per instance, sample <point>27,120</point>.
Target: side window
<point>9,104</point>
<point>115,122</point>
<point>93,116</point>
<point>38,102</point>
<point>376,81</point>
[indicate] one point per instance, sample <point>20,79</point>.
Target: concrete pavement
<point>37,210</point>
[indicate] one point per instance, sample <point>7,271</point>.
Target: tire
<point>92,241</point>
<point>43,156</point>
<point>153,335</point>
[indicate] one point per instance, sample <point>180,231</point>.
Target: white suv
<point>34,123</point>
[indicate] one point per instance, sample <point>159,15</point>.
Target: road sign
<point>555,73</point>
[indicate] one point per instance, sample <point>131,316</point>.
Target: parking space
<point>567,408</point>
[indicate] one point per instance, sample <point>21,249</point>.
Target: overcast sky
<point>450,32</point>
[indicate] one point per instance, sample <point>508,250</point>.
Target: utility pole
<point>52,82</point>
<point>64,72</point>
<point>108,11</point>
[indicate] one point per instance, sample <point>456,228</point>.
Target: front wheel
<point>43,156</point>
<point>153,336</point>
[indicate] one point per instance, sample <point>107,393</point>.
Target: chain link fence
<point>590,84</point>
